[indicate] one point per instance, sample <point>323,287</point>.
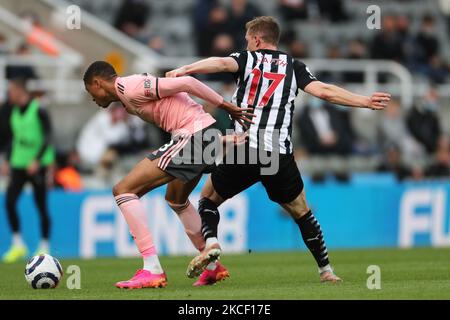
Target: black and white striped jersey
<point>268,81</point>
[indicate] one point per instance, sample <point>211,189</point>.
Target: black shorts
<point>283,186</point>
<point>185,157</point>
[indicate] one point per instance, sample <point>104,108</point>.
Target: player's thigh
<point>229,180</point>
<point>298,207</point>
<point>145,176</point>
<point>178,191</point>
<point>286,184</point>
<point>209,192</point>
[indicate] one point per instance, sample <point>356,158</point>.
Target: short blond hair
<point>266,27</point>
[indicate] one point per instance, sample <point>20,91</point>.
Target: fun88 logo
<point>424,217</point>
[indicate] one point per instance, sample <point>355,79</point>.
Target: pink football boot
<point>144,279</point>
<point>209,277</point>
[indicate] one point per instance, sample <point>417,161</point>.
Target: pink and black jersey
<point>166,101</point>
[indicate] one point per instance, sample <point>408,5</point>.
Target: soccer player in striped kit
<point>166,103</point>
<point>268,81</point>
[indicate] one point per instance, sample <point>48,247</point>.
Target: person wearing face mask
<point>324,130</point>
<point>423,122</point>
<point>426,41</point>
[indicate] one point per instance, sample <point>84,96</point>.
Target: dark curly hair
<point>100,69</point>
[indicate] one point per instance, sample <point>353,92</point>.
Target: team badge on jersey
<point>147,88</point>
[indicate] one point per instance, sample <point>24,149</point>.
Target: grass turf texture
<point>405,274</point>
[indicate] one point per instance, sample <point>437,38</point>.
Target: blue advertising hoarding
<point>369,211</point>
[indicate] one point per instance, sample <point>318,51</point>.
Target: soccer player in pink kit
<point>166,103</point>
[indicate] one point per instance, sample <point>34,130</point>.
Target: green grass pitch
<point>405,274</point>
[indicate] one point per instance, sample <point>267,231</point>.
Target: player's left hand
<point>379,100</point>
<point>33,168</point>
<point>235,139</point>
<point>179,72</point>
<point>242,115</point>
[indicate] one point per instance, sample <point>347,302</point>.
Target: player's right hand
<point>379,100</point>
<point>4,169</point>
<point>179,72</point>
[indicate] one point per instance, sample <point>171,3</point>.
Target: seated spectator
<point>332,10</point>
<point>132,17</point>
<point>156,43</point>
<point>218,23</point>
<point>406,39</point>
<point>38,36</point>
<point>293,9</point>
<point>441,166</point>
<point>201,12</point>
<point>67,176</point>
<point>325,129</point>
<point>223,45</point>
<point>151,40</point>
<point>426,58</point>
<point>241,12</point>
<point>96,142</point>
<point>392,162</point>
<point>293,45</point>
<point>298,49</point>
<point>387,43</point>
<point>356,51</point>
<point>437,71</point>
<point>333,51</point>
<point>427,44</point>
<point>423,122</point>
<point>137,138</point>
<point>392,130</point>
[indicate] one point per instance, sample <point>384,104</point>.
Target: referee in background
<point>27,132</point>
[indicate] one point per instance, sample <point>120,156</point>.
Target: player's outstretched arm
<point>338,95</point>
<point>171,86</point>
<point>209,65</point>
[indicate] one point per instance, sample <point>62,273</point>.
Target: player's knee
<point>300,212</point>
<point>178,207</point>
<point>206,203</point>
<point>296,210</point>
<point>118,189</point>
<point>206,192</point>
<point>173,199</point>
<point>212,196</point>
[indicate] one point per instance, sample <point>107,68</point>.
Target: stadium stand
<point>166,37</point>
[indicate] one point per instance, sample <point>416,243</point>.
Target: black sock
<point>210,218</point>
<point>313,238</point>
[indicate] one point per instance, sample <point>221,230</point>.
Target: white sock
<point>211,241</point>
<point>211,266</point>
<point>17,240</point>
<point>326,268</point>
<point>151,263</point>
<point>43,246</point>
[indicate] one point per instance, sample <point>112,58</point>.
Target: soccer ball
<point>43,272</point>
